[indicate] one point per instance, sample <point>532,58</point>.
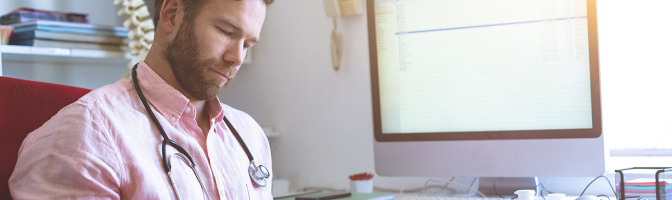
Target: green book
<point>369,196</point>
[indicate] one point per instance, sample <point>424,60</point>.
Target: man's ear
<point>171,15</point>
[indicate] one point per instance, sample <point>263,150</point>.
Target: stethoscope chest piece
<point>259,174</point>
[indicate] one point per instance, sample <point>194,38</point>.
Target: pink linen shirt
<point>105,146</point>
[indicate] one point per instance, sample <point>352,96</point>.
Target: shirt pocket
<point>255,192</point>
<point>187,184</point>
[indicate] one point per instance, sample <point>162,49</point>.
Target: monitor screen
<point>487,88</point>
<point>483,69</point>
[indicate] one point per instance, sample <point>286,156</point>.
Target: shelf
<point>272,135</point>
<point>46,54</point>
<point>29,54</point>
<point>273,139</point>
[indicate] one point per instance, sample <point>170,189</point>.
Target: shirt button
<point>172,119</point>
<point>188,110</point>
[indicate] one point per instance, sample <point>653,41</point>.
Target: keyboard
<point>449,198</point>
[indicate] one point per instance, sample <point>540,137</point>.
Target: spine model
<point>141,29</point>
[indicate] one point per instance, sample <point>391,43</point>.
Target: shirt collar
<point>167,100</point>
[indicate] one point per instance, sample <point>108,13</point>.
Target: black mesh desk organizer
<point>644,177</point>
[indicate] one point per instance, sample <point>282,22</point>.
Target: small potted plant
<point>361,183</point>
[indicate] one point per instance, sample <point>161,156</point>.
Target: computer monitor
<point>485,88</point>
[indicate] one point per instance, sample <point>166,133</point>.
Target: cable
<point>541,191</point>
<point>604,195</point>
<point>444,187</point>
<point>542,188</point>
<point>608,181</point>
<point>494,187</point>
<point>472,184</point>
<point>420,189</point>
<point>541,185</point>
<point>460,184</point>
<point>537,189</point>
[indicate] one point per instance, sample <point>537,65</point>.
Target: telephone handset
<point>337,8</point>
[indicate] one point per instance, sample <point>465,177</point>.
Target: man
<point>105,146</point>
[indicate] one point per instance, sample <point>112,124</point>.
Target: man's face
<point>209,49</point>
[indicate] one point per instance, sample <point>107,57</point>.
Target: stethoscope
<point>258,173</point>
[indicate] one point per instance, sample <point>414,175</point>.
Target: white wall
<point>87,75</point>
<point>324,116</point>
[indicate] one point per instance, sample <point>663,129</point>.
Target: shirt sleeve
<point>70,157</point>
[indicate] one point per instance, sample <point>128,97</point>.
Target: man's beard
<point>190,69</point>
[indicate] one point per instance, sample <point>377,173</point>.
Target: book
<point>5,34</point>
<point>68,45</point>
<point>369,196</point>
<point>647,181</point>
<point>24,14</point>
<point>65,36</point>
<point>354,196</point>
<point>295,194</point>
<point>646,194</point>
<point>70,27</point>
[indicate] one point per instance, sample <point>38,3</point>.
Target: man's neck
<point>202,116</point>
<point>161,67</point>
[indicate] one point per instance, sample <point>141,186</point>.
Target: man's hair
<point>191,7</point>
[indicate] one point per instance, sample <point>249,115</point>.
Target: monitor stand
<point>505,186</point>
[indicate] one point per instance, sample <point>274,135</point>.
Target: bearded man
<point>107,145</point>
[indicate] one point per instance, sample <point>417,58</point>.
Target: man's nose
<point>235,54</point>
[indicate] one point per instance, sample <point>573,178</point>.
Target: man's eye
<point>225,32</point>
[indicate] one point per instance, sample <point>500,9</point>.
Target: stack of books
<point>23,14</point>
<point>66,32</point>
<point>646,188</point>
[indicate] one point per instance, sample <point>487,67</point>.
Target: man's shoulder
<point>112,94</point>
<point>226,108</point>
<point>245,125</point>
<point>238,116</point>
<point>90,112</point>
<point>85,118</point>
<point>233,112</point>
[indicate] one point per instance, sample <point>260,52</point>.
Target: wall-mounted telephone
<point>337,8</point>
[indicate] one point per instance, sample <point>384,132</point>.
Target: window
<point>636,73</point>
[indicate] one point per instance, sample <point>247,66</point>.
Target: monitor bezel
<point>594,132</point>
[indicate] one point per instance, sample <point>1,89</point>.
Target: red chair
<point>25,106</point>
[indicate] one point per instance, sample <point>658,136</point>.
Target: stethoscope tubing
<point>167,141</point>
